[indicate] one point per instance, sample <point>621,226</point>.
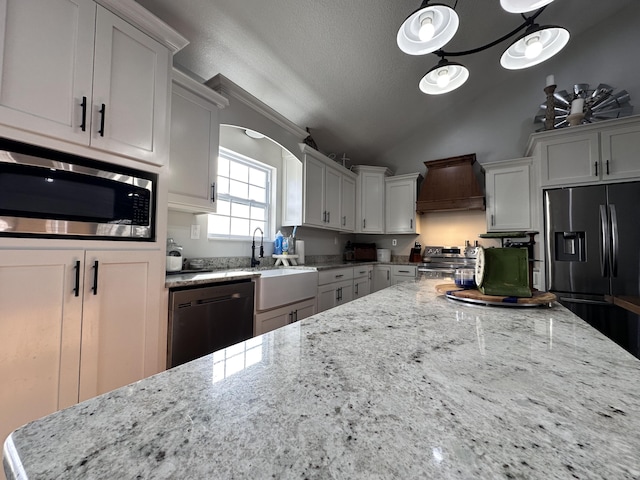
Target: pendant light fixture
<point>431,27</point>
<point>427,29</point>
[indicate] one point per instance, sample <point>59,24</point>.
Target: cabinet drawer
<point>403,270</point>
<point>335,275</point>
<point>361,272</point>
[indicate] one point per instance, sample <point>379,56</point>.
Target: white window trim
<point>271,175</point>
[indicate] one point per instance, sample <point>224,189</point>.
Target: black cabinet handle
<point>95,278</point>
<point>607,167</point>
<point>596,165</point>
<point>364,223</point>
<point>357,284</point>
<point>344,221</point>
<point>103,113</point>
<point>213,193</point>
<point>290,317</point>
<point>83,125</point>
<point>295,315</point>
<point>76,290</point>
<point>411,223</point>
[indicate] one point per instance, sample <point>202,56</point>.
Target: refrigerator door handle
<point>613,216</point>
<point>604,239</point>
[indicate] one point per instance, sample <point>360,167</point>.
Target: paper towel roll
<point>300,251</point>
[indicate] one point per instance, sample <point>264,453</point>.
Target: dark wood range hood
<point>451,184</point>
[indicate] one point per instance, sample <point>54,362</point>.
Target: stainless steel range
<point>441,262</point>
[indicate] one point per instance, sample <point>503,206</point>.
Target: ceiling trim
<point>223,85</point>
<point>197,88</point>
<point>135,14</point>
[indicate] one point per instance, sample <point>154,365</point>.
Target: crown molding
<point>197,88</point>
<point>223,85</point>
<point>138,16</point>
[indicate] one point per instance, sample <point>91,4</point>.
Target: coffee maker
<point>416,253</point>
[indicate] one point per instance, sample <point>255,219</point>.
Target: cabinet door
<point>400,208</point>
<point>332,200</point>
<point>348,197</point>
<point>508,198</point>
<point>361,287</point>
<point>46,65</point>
<point>195,138</point>
<point>381,277</point>
<point>570,159</point>
<point>268,321</point>
<point>131,83</point>
<point>327,297</point>
<point>120,327</point>
<point>304,309</point>
<point>291,191</point>
<point>372,203</point>
<point>40,329</point>
<point>344,292</point>
<point>314,191</point>
<point>620,152</point>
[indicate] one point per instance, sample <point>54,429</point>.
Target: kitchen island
<point>402,383</point>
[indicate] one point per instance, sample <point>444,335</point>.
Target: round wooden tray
<point>454,292</point>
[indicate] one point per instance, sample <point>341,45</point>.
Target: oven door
<point>434,272</point>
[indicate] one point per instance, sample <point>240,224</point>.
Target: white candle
<point>577,105</point>
<point>550,80</point>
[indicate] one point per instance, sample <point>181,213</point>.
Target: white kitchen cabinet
<point>401,193</point>
<point>381,277</point>
<point>314,195</point>
<point>595,153</point>
<point>120,330</point>
<point>59,341</point>
<point>75,71</point>
<point>335,287</point>
<point>511,195</point>
<point>370,198</point>
<point>195,140</point>
<point>281,316</point>
<point>403,273</point>
<point>362,280</point>
<point>348,197</point>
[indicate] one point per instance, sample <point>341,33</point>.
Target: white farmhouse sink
<point>283,286</point>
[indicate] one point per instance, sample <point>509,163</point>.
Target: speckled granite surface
<point>401,384</point>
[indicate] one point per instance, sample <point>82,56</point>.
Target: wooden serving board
<point>474,296</point>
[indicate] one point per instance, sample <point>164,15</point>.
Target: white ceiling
<point>334,66</point>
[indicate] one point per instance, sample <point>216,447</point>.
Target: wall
<point>497,125</point>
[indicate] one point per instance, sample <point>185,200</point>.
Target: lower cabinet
<point>281,316</point>
<point>381,277</point>
<point>362,281</point>
<point>74,324</point>
<point>403,273</point>
<point>335,287</point>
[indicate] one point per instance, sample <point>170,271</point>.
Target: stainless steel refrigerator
<point>593,254</point>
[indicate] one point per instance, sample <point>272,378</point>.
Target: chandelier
<point>433,25</point>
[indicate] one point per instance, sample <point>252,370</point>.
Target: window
<point>244,194</point>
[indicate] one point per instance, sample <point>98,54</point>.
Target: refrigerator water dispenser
<point>570,246</point>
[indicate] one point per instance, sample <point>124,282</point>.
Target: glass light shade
<point>445,23</point>
<point>444,77</point>
<point>552,39</point>
<point>522,6</point>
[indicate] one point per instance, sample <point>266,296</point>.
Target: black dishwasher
<point>205,319</point>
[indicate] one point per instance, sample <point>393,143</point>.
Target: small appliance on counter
<point>174,256</point>
<point>360,252</point>
<point>384,255</point>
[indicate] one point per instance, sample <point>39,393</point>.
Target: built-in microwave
<point>46,193</point>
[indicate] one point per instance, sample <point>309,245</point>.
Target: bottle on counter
<point>277,244</point>
<point>285,245</point>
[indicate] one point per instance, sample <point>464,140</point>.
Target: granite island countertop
<point>402,383</point>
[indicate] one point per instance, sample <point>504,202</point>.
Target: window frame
<point>269,205</point>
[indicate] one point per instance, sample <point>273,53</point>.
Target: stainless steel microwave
<point>46,193</point>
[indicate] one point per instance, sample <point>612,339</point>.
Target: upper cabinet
<point>370,198</point>
<point>317,192</point>
<point>75,71</point>
<point>512,195</point>
<point>195,138</point>
<point>600,152</point>
<point>401,192</point>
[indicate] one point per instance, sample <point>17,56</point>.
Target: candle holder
<point>550,112</point>
<point>575,119</point>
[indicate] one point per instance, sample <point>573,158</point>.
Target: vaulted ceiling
<point>334,66</point>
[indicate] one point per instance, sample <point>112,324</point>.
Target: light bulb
<point>533,48</point>
<point>427,29</point>
<point>443,78</point>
